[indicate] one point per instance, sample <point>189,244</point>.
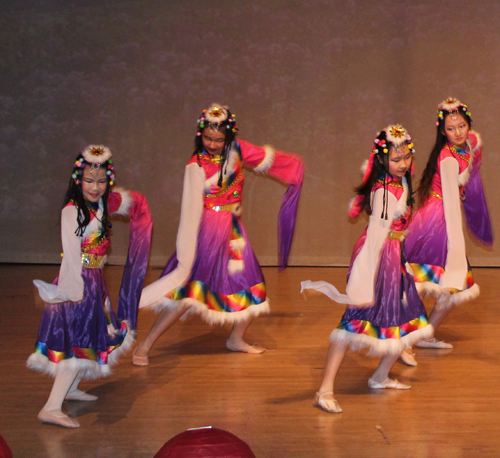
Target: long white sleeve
<point>360,289</point>
<point>456,261</point>
<point>361,285</point>
<point>70,284</point>
<point>187,236</point>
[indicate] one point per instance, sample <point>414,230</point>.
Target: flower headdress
<point>95,156</point>
<point>216,117</point>
<point>396,136</point>
<point>452,106</point>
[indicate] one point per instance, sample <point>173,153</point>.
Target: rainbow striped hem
<point>377,332</point>
<point>100,357</point>
<point>229,303</point>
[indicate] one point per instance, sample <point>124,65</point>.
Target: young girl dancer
<point>384,311</point>
<point>214,271</point>
<point>80,337</point>
<point>436,246</point>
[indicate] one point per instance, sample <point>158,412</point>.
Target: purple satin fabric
<point>476,210</point>
<point>141,226</point>
<point>427,242</point>
<point>212,256</point>
<point>286,223</point>
<point>80,324</point>
<point>388,309</point>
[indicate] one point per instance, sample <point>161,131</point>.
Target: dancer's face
<point>399,161</point>
<point>94,183</point>
<point>456,130</point>
<point>213,141</point>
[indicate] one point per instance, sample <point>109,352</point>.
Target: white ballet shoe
<point>408,358</point>
<point>78,395</point>
<point>387,384</point>
<point>141,361</point>
<point>433,343</point>
<point>57,418</point>
<point>329,404</point>
<point>243,347</point>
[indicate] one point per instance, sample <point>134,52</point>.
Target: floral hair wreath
<point>95,156</point>
<point>397,136</point>
<point>452,106</point>
<point>215,117</point>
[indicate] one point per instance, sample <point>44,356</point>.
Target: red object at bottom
<point>207,443</point>
<point>5,451</point>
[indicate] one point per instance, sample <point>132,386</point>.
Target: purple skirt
<point>397,318</point>
<point>214,292</point>
<point>81,335</point>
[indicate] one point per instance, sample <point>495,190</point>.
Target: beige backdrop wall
<point>316,77</point>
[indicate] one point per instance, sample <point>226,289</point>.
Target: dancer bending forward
<point>214,272</point>
<point>384,311</point>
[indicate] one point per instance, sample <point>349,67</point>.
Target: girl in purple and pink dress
<point>80,337</point>
<point>384,310</point>
<point>436,246</point>
<point>214,272</point>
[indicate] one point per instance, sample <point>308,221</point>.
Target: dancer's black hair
<point>441,140</point>
<point>379,172</point>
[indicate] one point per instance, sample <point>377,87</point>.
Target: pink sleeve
<point>286,167</point>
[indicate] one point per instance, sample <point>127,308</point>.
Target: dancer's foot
<point>78,395</point>
<point>56,417</point>
<point>327,402</point>
<point>243,347</point>
<point>387,384</point>
<point>433,343</point>
<point>408,358</point>
<point>140,357</point>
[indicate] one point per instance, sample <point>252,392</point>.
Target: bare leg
<point>380,378</point>
<point>51,412</point>
<point>165,320</point>
<point>74,394</point>
<point>235,341</point>
<point>324,397</point>
<point>436,317</point>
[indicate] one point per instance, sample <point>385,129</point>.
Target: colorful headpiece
<point>95,156</point>
<point>396,136</point>
<point>217,117</point>
<point>452,106</point>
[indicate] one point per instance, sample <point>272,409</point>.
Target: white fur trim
<point>268,159</point>
<point>87,369</point>
<point>464,296</point>
<point>380,347</point>
<point>364,166</point>
<point>449,104</point>
<point>428,288</point>
<point>96,154</point>
<point>126,202</point>
<point>444,299</point>
<point>235,265</point>
<point>211,317</point>
<point>479,140</point>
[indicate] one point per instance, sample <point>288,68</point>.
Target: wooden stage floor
<point>452,410</point>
